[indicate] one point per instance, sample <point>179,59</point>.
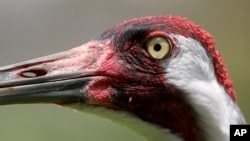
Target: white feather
<point>191,70</point>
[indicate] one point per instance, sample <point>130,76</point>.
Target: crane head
<point>163,70</point>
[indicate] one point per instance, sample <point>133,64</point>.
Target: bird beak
<point>58,78</point>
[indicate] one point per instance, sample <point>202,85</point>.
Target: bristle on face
<point>182,26</point>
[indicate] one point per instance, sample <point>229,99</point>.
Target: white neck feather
<point>191,70</point>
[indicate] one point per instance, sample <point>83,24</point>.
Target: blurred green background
<point>34,28</point>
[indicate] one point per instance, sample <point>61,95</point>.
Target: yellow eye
<point>158,47</point>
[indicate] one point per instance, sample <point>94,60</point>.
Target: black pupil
<point>157,47</point>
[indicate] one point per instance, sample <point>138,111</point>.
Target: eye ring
<point>158,47</point>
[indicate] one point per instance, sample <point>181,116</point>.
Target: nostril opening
<point>33,73</point>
